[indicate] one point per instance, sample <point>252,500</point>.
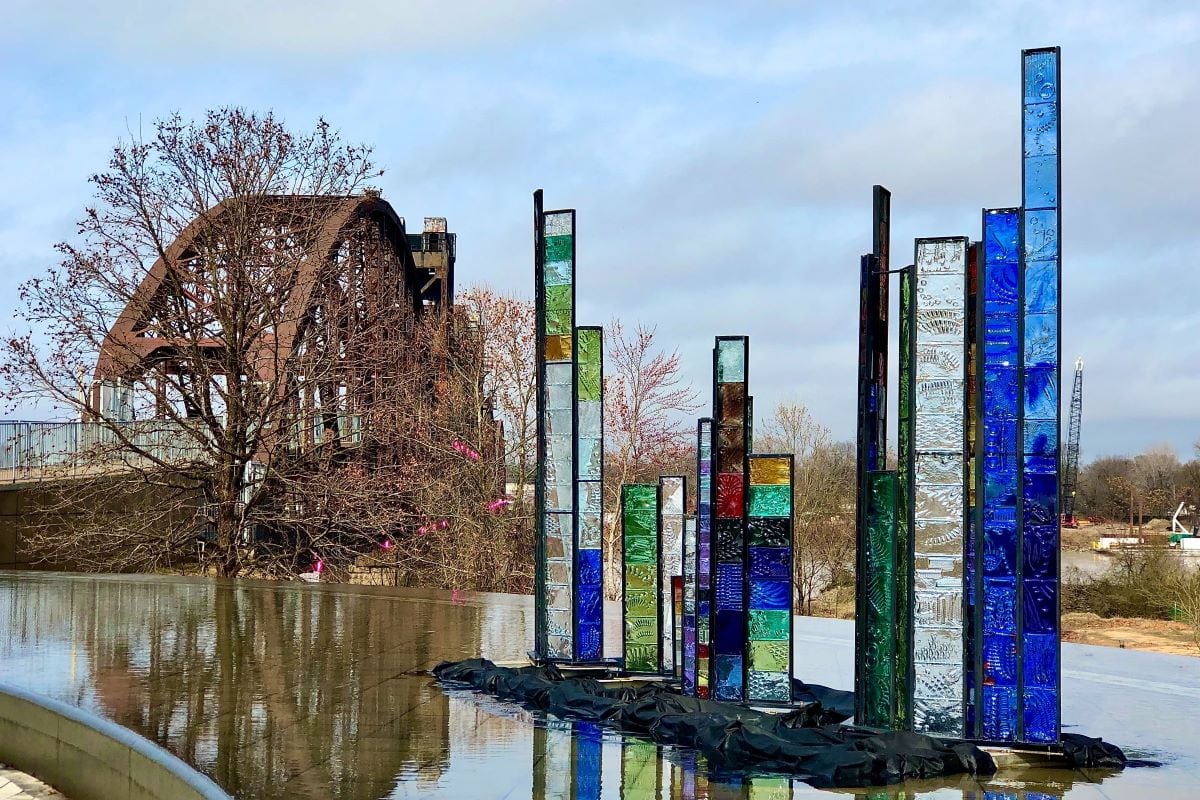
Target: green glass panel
<point>770,501</point>
<point>641,629</point>
<point>640,550</point>
<point>879,686</point>
<point>731,361</point>
<point>641,657</point>
<point>768,625</point>
<point>558,248</point>
<point>640,496</point>
<point>587,360</point>
<point>558,321</point>
<point>641,523</point>
<point>640,576</point>
<point>558,298</point>
<point>769,656</point>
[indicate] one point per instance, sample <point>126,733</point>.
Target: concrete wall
<point>89,758</point>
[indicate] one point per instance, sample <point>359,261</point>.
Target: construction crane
<point>1071,469</point>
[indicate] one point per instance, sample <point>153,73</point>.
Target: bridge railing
<point>31,449</point>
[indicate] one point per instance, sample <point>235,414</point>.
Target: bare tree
<point>823,501</point>
<point>646,428</point>
<point>234,326</point>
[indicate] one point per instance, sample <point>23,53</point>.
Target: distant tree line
<point>1152,484</point>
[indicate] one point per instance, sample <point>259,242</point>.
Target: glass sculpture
<point>728,611</point>
<point>938,319</point>
<point>641,598</point>
<point>687,663</point>
<point>704,521</point>
<point>555,487</point>
<point>769,580</point>
<point>671,492</point>
<point>589,487</point>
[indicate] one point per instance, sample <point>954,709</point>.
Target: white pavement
<point>19,786</point>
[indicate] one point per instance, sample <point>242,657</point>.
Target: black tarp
<point>806,741</point>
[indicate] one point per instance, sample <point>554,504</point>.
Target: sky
<point>720,155</point>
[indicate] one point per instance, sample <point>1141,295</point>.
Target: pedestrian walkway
<point>19,786</point>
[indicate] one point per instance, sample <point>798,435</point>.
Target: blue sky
<point>721,156</point>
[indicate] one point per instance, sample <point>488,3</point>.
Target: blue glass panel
<point>589,566</point>
<point>1000,660</point>
<point>1041,715</point>
<point>1000,340</point>
<point>1040,656</point>
<point>1001,240</point>
<point>590,602</point>
<point>1041,136</point>
<point>727,632</point>
<point>1041,465</point>
<point>999,439</point>
<point>1041,235</point>
<point>590,638</point>
<point>729,677</point>
<point>1041,437</point>
<point>999,606</point>
<point>1040,551</point>
<point>1040,74</point>
<point>1041,181</point>
<point>1041,340</point>
<point>999,712</point>
<point>1041,287</point>
<point>1039,607</point>
<point>1041,393</point>
<point>770,562</point>
<point>1000,550</point>
<point>1040,499</point>
<point>770,595</point>
<point>728,591</point>
<point>1000,391</point>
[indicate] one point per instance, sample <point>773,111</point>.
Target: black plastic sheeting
<point>806,742</point>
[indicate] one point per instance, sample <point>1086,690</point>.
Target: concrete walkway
<point>19,786</point>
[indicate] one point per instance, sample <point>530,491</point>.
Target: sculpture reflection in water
<point>577,761</point>
<point>272,691</point>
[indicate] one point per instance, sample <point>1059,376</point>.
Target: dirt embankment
<point>1152,635</point>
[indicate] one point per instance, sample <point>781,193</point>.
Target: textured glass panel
<point>590,497</point>
<point>728,586</point>
<point>1000,400</point>
<point>1041,393</point>
<point>1000,340</point>
<point>729,677</point>
<point>558,223</point>
<point>770,656</point>
<point>770,562</point>
<point>560,248</point>
<point>1039,607</point>
<point>731,360</point>
<point>1040,76</point>
<point>732,397</point>
<point>641,550</point>
<point>940,291</point>
<point>641,603</point>
<point>938,609</point>
<point>939,681</point>
<point>937,646</point>
<point>770,501</point>
<point>939,502</point>
<point>589,567</point>
<point>1041,138</point>
<point>589,459</point>
<point>880,678</point>
<point>1041,340</point>
<point>1041,181</point>
<point>766,624</point>
<point>1041,235</point>
<point>999,712</point>
<point>940,256</point>
<point>640,576</point>
<point>774,471</point>
<point>1040,499</point>
<point>770,595</point>
<point>771,687</point>
<point>672,495</point>
<point>941,325</point>
<point>1041,714</point>
<point>769,532</point>
<point>558,348</point>
<point>1041,287</point>
<point>936,361</point>
<point>1000,606</point>
<point>939,468</point>
<point>729,495</point>
<point>1040,551</point>
<point>558,273</point>
<point>729,540</point>
<point>1040,659</point>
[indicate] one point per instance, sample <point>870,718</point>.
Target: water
<point>292,691</point>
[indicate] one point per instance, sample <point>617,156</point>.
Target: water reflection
<point>282,691</point>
